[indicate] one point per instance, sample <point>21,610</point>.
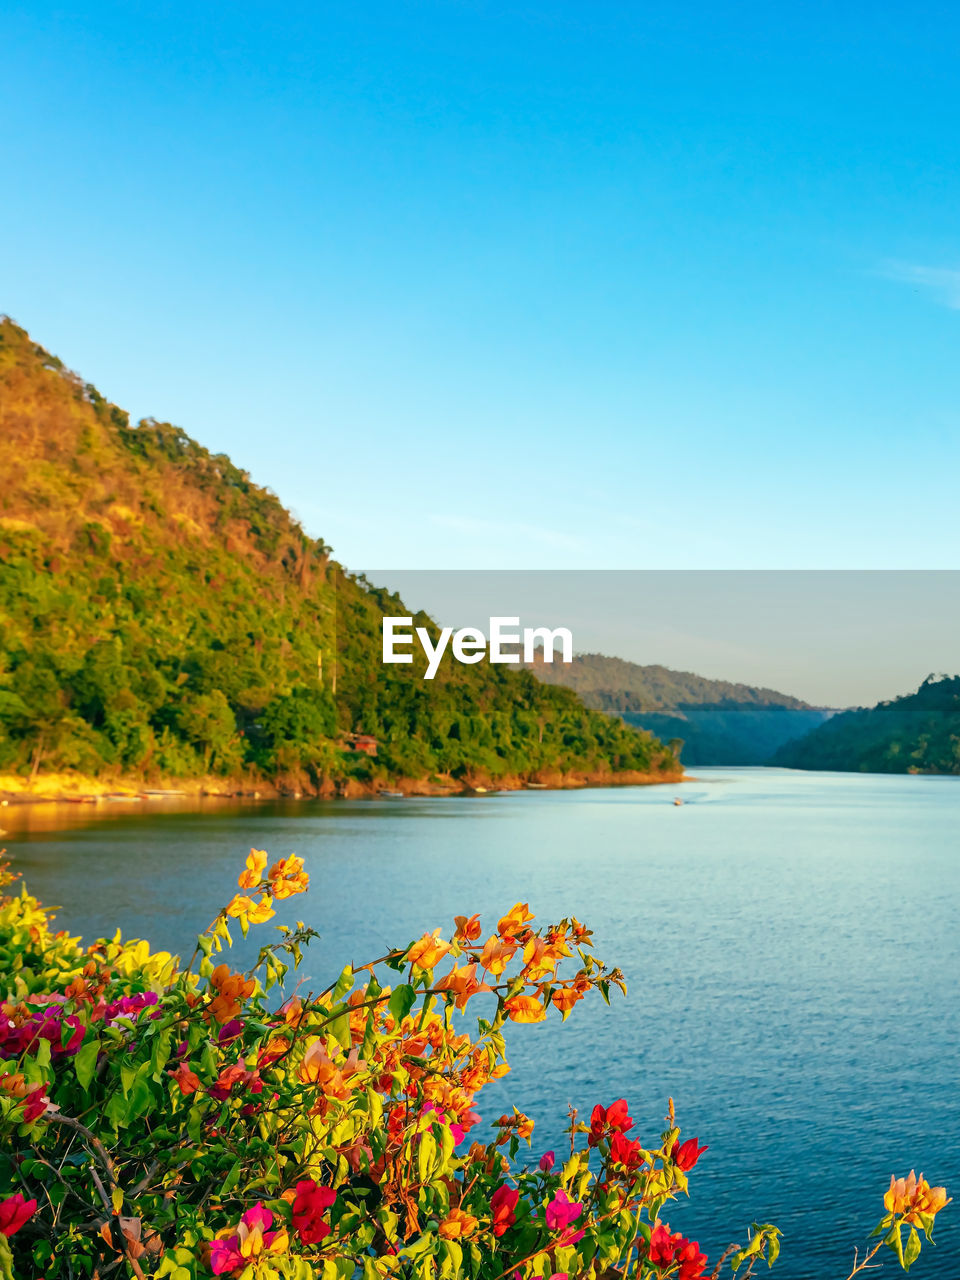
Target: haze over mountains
<point>719,722</point>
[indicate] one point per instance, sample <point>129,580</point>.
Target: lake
<point>790,940</point>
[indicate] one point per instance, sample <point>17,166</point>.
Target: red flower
<point>14,1212</point>
<point>503,1208</point>
<point>188,1081</point>
<point>309,1205</point>
<point>665,1249</point>
<point>661,1245</point>
<point>605,1119</point>
<point>687,1155</point>
<point>692,1261</point>
<point>625,1151</point>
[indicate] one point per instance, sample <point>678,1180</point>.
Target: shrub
<point>162,1119</point>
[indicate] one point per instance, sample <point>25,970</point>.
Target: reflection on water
<point>790,942</point>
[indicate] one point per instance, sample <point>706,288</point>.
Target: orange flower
<point>319,1069</point>
<point>186,1080</point>
<point>513,924</point>
<point>457,1225</point>
<point>518,1124</point>
<point>275,1049</point>
<point>463,982</point>
<point>288,877</point>
<point>496,955</point>
<point>231,988</point>
<point>581,933</point>
<point>914,1198</point>
<point>564,998</point>
<point>468,928</point>
<point>525,1009</point>
<point>428,951</point>
<point>541,956</point>
<point>253,874</point>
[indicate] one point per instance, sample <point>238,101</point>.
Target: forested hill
<point>719,722</point>
<point>918,733</point>
<point>163,617</point>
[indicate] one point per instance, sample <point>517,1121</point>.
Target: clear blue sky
<point>554,285</point>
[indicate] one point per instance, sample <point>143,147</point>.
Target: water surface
<point>790,941</point>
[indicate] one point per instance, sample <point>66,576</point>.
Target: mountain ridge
<point>164,617</point>
<point>718,721</point>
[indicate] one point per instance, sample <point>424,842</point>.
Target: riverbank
<point>70,788</point>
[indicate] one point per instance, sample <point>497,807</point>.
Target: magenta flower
<point>561,1211</point>
<point>225,1255</point>
<point>547,1161</point>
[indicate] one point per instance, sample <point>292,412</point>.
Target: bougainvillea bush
<point>186,1120</point>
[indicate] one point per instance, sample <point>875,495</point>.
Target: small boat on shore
<point>535,786</point>
<point>391,795</point>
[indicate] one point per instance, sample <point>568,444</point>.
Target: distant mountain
<point>918,733</point>
<point>163,616</point>
<point>719,722</point>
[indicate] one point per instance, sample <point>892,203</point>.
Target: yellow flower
<point>253,873</point>
<point>244,908</point>
<point>288,877</point>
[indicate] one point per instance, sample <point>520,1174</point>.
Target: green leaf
<point>894,1240</point>
<point>85,1063</point>
<point>344,985</point>
<point>128,1073</point>
<point>162,1048</point>
<point>340,1030</point>
<point>230,1181</point>
<point>401,1001</point>
<point>912,1251</point>
<point>426,1156</point>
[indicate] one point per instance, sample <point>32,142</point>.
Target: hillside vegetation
<point>163,617</point>
<point>918,733</point>
<point>717,721</point>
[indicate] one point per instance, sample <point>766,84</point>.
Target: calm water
<point>791,943</point>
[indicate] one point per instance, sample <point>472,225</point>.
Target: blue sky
<point>592,285</point>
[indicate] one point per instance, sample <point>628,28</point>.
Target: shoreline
<point>100,796</point>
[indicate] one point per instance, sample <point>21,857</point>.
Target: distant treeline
<point>918,733</point>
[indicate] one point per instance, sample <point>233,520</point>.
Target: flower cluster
<point>171,1120</point>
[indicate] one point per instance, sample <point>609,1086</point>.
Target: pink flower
<point>225,1255</point>
<point>547,1161</point>
<point>561,1211</point>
